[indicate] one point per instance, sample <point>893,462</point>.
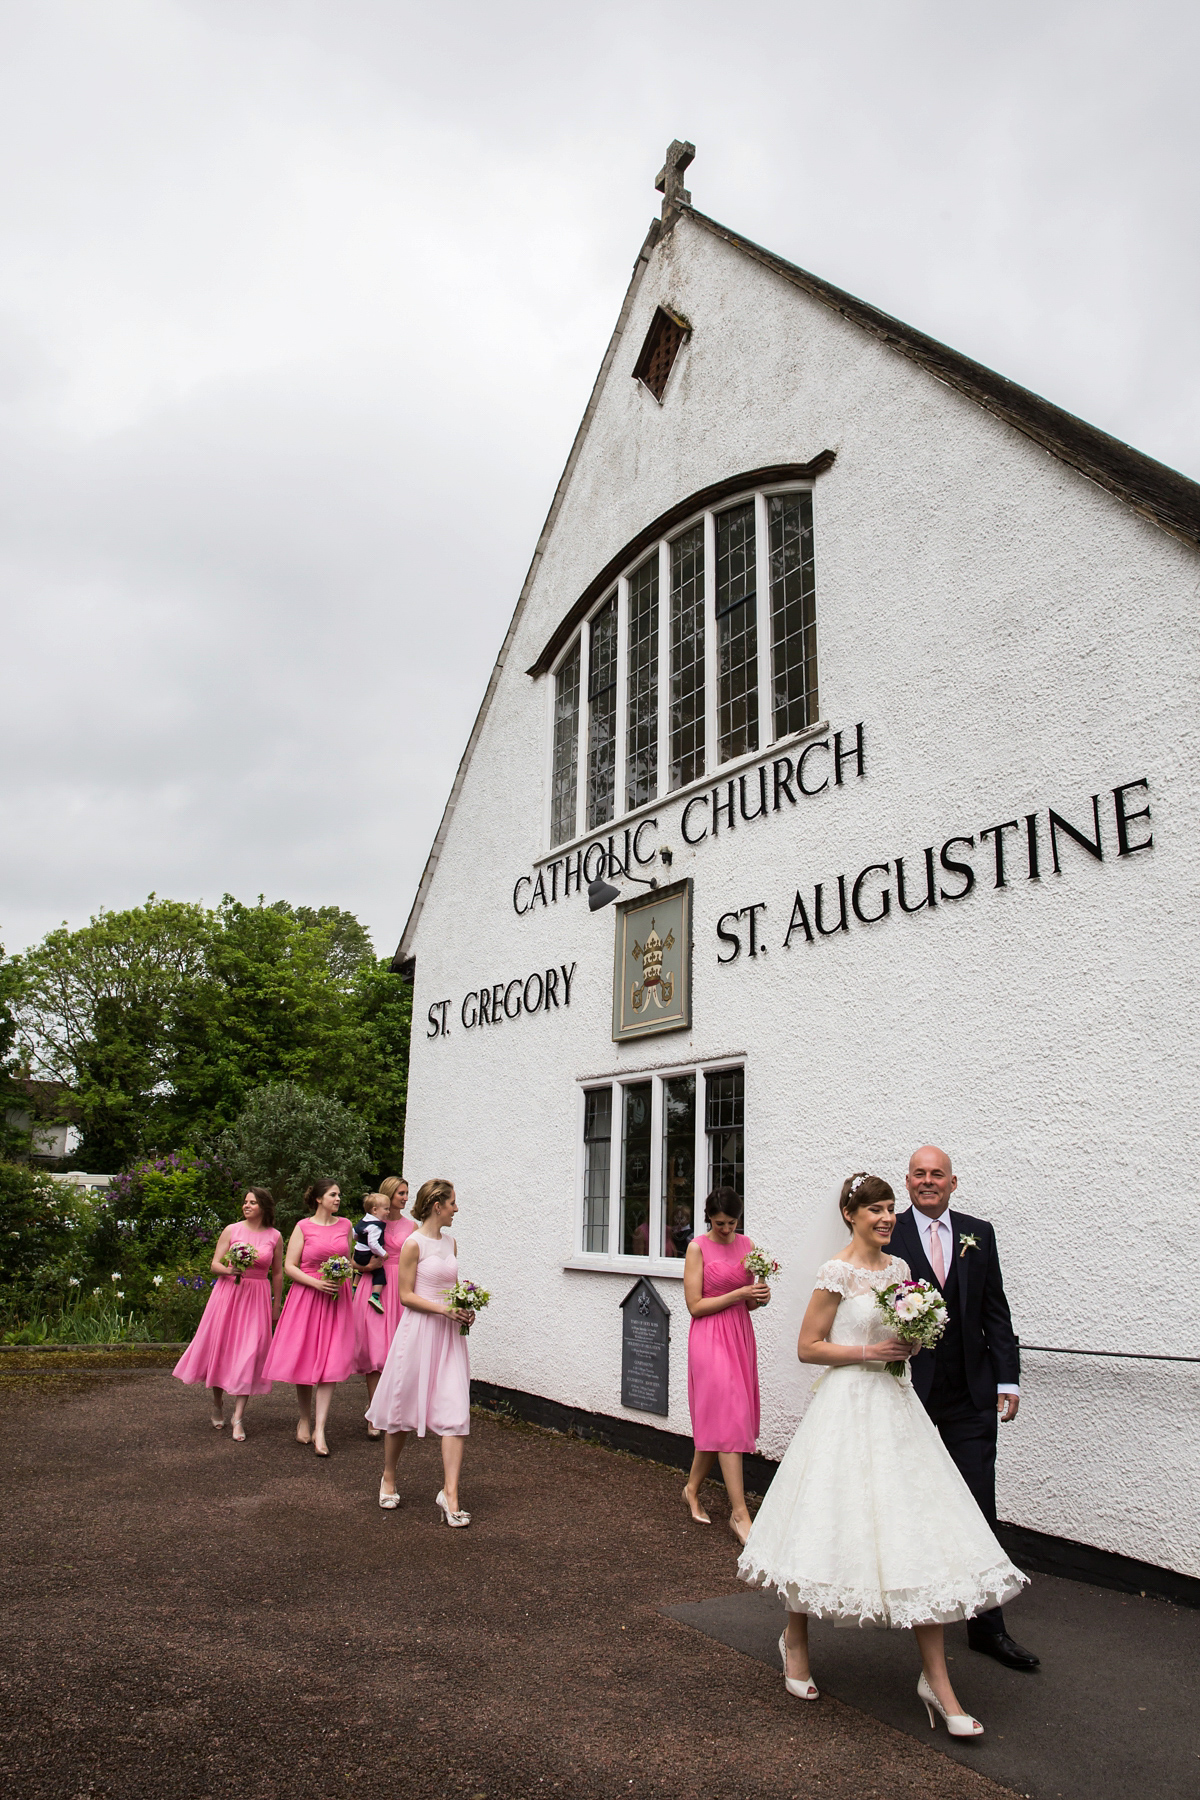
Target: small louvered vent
<point>659,351</point>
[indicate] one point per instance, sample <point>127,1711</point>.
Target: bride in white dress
<point>867,1521</point>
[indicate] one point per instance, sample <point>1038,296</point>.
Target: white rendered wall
<point>1013,639</point>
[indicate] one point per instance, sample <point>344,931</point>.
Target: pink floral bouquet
<point>916,1312</point>
<point>240,1257</point>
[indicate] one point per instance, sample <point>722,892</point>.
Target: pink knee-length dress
<point>723,1355</point>
<point>426,1380</point>
<point>314,1340</point>
<point>234,1334</point>
<point>373,1331</point>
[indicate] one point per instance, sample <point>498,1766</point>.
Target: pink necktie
<point>937,1261</point>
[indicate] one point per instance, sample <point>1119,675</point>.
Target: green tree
<point>161,1021</point>
<point>95,1015</point>
<point>285,1138</point>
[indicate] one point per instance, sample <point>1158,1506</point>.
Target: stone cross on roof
<point>670,177</point>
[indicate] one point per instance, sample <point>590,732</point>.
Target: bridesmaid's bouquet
<point>469,1296</point>
<point>762,1266</point>
<point>240,1257</point>
<point>916,1312</point>
<point>337,1269</point>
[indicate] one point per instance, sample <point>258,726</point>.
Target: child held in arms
<point>368,1242</point>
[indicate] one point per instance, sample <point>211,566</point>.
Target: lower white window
<point>651,1148</point>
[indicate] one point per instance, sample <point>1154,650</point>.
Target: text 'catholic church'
<point>831,795</point>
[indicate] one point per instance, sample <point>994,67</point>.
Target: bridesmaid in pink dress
<point>373,1332</point>
<point>426,1380</point>
<point>722,1355</point>
<point>234,1335</point>
<point>314,1345</point>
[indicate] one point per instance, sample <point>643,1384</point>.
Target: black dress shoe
<point>1001,1646</point>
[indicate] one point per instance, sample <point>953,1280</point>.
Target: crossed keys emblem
<point>654,985</point>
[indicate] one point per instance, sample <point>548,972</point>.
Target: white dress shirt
<point>927,1226</point>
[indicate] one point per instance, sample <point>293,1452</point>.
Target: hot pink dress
<point>314,1340</point>
<point>426,1380</point>
<point>723,1356</point>
<point>373,1331</point>
<point>234,1333</point>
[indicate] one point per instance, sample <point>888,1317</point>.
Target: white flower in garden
<point>72,1281</point>
<point>120,1294</point>
<point>117,1276</point>
<point>97,1291</point>
<point>158,1281</point>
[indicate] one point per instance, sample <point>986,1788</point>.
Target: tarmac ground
<point>191,1618</point>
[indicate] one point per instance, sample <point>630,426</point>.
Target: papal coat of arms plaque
<point>652,963</point>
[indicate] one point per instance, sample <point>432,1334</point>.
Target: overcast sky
<point>301,302</point>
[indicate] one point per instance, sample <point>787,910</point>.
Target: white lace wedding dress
<point>867,1521</point>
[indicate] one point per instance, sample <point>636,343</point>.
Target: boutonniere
<point>967,1242</point>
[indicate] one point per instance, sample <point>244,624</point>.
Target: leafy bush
<point>37,1217</point>
<point>285,1138</point>
<point>99,1318</point>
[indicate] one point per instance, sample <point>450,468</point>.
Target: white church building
<point>885,671</point>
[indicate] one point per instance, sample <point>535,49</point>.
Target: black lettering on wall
<point>696,800</point>
<point>497,1002</point>
<point>798,922</point>
<point>998,831</point>
<point>471,1000</point>
<point>958,868</point>
<point>518,984</point>
<point>1125,820</point>
<point>485,1006</point>
<point>885,898</point>
<point>1031,845</point>
<point>783,783</point>
<point>551,988</point>
<point>567,980</point>
<point>843,923</point>
<point>727,805</point>
<point>729,937</point>
<point>1091,845</point>
<point>646,825</point>
<point>930,894</point>
<point>823,744</point>
<point>762,795</point>
<point>854,756</point>
<point>520,911</point>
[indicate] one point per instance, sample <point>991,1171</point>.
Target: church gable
<point>733,372</point>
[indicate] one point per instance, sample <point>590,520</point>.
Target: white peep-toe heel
<point>959,1725</point>
<point>803,1690</point>
<point>455,1519</point>
<point>389,1502</point>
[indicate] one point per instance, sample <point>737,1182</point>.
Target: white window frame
<point>713,770</point>
<point>612,1261</point>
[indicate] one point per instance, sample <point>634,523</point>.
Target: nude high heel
<point>455,1519</point>
<point>959,1725</point>
<point>803,1690</point>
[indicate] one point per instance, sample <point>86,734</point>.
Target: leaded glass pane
<point>635,1171</point>
<point>724,1122</point>
<point>602,715</point>
<point>597,1160</point>
<point>737,633</point>
<point>566,749</point>
<point>641,731</point>
<point>679,1164</point>
<point>793,612</point>
<point>686,697</point>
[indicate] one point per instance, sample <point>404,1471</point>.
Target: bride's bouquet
<point>240,1257</point>
<point>469,1296</point>
<point>761,1266</point>
<point>337,1269</point>
<point>916,1312</point>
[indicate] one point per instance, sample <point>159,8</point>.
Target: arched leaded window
<point>702,651</point>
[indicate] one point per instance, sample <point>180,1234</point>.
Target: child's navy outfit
<point>368,1242</point>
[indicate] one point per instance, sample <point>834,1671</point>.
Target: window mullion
<point>764,634</point>
<point>655,1245</point>
<point>663,784</point>
<point>712,748</point>
<point>620,807</point>
<point>581,773</point>
<point>701,1164</point>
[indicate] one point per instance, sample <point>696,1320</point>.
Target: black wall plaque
<point>645,1336</point>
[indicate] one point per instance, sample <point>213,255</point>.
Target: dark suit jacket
<point>975,1296</point>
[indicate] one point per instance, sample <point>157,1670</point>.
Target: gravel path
<point>190,1618</point>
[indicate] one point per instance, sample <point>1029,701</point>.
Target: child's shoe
<point>376,1301</point>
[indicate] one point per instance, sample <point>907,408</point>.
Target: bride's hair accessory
<point>862,1189</point>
